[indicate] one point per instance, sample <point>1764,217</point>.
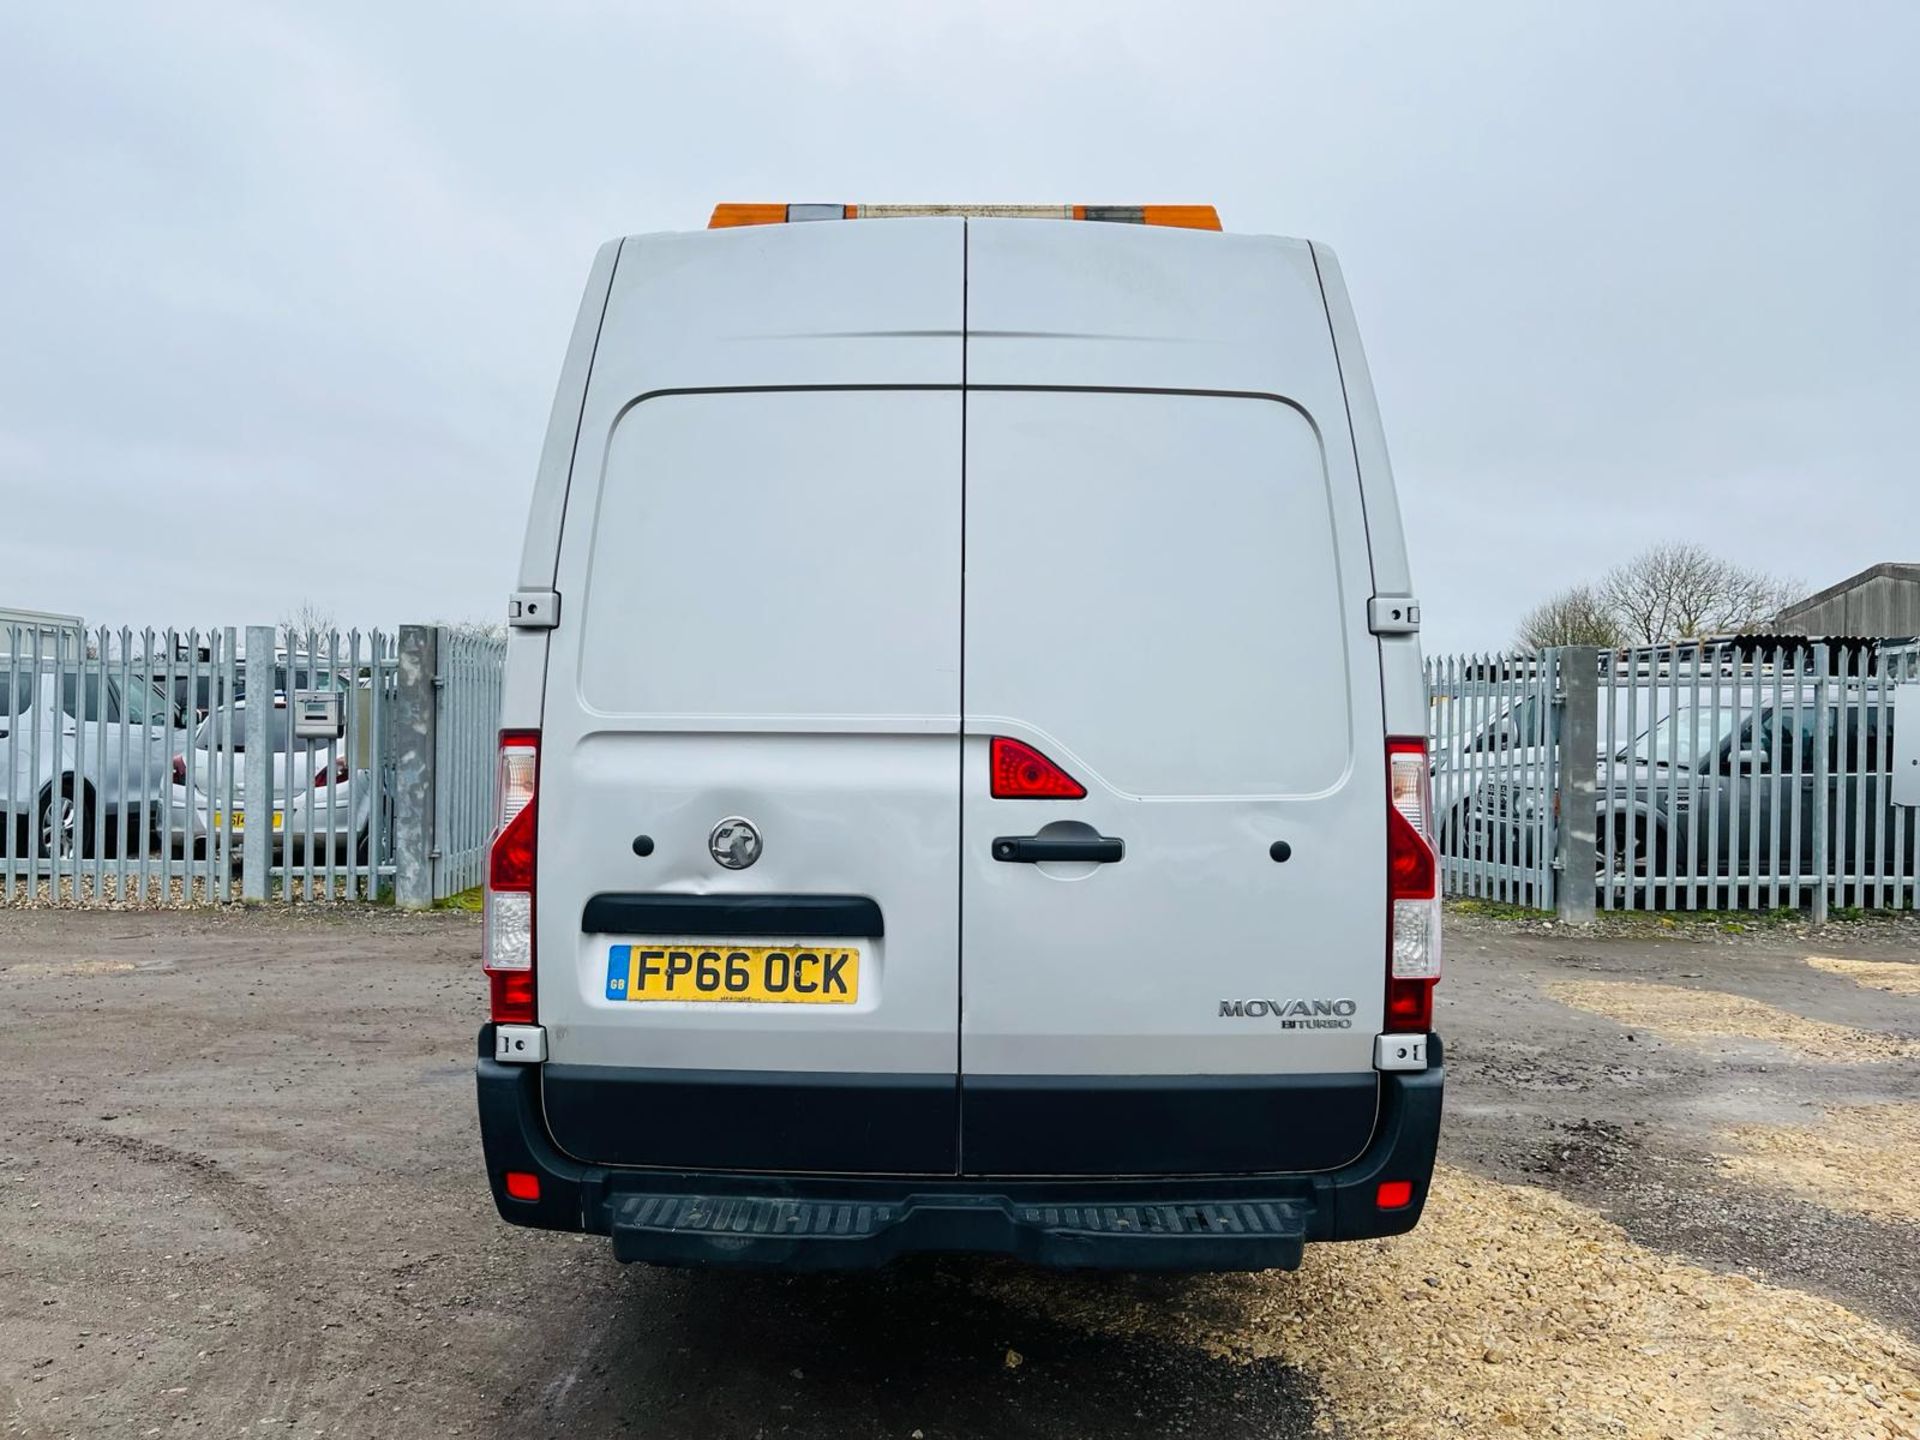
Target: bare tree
<point>471,629</point>
<point>307,617</point>
<point>1681,591</point>
<point>1575,616</point>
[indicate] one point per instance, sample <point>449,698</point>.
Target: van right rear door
<point>1167,578</point>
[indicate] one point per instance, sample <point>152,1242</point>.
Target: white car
<point>319,797</point>
<point>964,726</point>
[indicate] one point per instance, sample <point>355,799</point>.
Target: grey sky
<point>284,289</point>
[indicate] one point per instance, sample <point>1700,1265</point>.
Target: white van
<point>961,784</point>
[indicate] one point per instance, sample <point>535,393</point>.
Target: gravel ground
<point>1894,976</point>
<point>1839,1156</point>
<point>239,1194</point>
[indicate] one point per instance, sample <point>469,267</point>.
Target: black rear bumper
<point>1241,1222</point>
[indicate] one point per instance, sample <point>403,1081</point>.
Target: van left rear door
<point>757,669</point>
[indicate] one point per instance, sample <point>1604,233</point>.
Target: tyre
<point>1630,850</point>
<point>66,823</point>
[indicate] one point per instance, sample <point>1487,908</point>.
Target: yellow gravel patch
<point>1899,977</point>
<point>1511,1311</point>
<point>1707,1015</point>
<point>1861,1158</point>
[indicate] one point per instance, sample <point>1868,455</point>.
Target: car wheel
<point>66,823</point>
<point>1629,858</point>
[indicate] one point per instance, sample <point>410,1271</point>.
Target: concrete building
<point>1881,602</point>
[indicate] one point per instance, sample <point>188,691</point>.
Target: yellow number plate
<point>770,974</point>
<point>240,819</point>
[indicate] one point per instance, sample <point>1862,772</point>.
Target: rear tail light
<point>179,769</point>
<point>510,870</point>
<point>337,772</point>
<point>522,1184</point>
<point>1021,772</point>
<point>1413,936</point>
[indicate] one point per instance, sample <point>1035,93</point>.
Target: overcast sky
<point>284,288</point>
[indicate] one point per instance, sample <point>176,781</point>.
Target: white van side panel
<point>525,679</point>
<point>1403,681</point>
<point>541,549</point>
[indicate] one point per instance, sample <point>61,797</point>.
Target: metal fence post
<point>1575,795</point>
<point>413,779</point>
<point>1822,776</point>
<point>256,843</point>
<point>446,753</point>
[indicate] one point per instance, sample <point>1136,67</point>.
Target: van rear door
<point>1167,579</point>
<point>758,661</point>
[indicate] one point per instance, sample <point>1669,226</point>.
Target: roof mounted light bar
<point>1185,217</point>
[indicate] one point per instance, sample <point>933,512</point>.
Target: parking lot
<point>240,1194</point>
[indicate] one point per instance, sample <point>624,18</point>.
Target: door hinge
<point>533,609</point>
<point>1399,1052</point>
<point>520,1044</point>
<point>1393,615</point>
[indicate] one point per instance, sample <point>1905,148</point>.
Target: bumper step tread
<point>753,1230</point>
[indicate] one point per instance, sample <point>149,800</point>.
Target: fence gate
<point>447,722</point>
<point>466,730</point>
<point>1494,732</point>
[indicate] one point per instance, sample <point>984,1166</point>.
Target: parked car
<point>1122,953</point>
<point>1743,800</point>
<point>1709,793</point>
<point>317,793</point>
<point>83,762</point>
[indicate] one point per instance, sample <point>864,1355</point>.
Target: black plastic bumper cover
<point>841,1222</point>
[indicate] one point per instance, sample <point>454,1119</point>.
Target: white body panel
<point>1167,594</point>
<point>760,617</point>
<point>827,506</point>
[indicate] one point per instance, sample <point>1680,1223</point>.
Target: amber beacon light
<point>1183,217</point>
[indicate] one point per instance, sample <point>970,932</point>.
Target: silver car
<point>318,794</point>
<point>84,761</point>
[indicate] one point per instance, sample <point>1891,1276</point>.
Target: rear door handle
<point>1032,849</point>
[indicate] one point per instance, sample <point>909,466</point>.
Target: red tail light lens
<point>522,1184</point>
<point>1021,772</point>
<point>179,769</point>
<point>510,872</point>
<point>1409,1006</point>
<point>510,862</point>
<point>1391,1194</point>
<point>338,771</point>
<point>1413,903</point>
<point>510,994</point>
